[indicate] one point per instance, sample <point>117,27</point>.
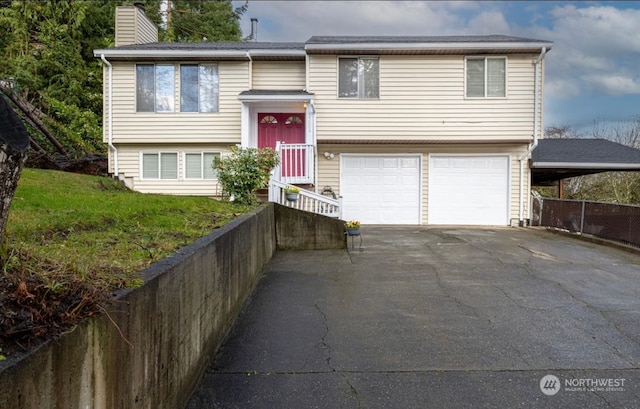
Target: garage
<point>468,189</point>
<point>381,189</point>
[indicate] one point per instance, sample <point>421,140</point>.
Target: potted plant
<point>292,193</point>
<point>352,227</point>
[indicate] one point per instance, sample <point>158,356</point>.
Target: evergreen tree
<point>48,62</point>
<point>47,57</point>
<point>196,20</point>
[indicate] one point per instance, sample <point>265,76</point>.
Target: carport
<point>556,159</point>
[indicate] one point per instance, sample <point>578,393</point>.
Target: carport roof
<point>556,159</point>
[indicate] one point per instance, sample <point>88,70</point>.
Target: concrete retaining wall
<point>156,341</point>
<point>299,230</point>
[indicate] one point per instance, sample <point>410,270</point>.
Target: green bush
<point>244,171</point>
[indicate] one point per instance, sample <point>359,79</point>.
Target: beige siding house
<point>406,130</point>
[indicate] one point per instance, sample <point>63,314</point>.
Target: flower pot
<point>292,197</point>
<point>353,232</point>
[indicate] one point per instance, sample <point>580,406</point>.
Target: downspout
<point>250,69</point>
<point>245,123</point>
<point>110,118</point>
<point>536,114</point>
<point>306,72</point>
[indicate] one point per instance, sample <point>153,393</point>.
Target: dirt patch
<point>33,311</point>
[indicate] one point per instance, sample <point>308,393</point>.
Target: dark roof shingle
<point>556,159</point>
<point>419,39</point>
<point>593,151</point>
<point>235,46</point>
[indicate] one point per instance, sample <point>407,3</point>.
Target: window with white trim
<point>160,165</point>
<point>155,87</point>
<point>199,88</point>
<point>358,77</point>
<point>199,165</point>
<point>486,77</point>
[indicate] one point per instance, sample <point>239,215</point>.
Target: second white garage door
<point>468,190</point>
<point>381,189</point>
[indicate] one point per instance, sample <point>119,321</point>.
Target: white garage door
<point>468,190</point>
<point>380,189</point>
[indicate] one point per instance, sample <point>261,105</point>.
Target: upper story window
<point>358,77</point>
<point>155,88</point>
<point>486,77</point>
<point>199,88</point>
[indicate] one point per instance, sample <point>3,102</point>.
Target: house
<point>407,130</point>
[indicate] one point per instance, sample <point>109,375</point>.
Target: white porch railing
<point>297,163</point>
<point>307,200</point>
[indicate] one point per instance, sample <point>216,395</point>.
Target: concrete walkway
<point>437,318</point>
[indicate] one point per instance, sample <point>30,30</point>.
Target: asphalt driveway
<point>437,318</point>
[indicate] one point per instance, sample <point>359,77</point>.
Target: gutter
<point>110,118</point>
<point>425,46</point>
<point>584,165</point>
<point>241,54</point>
<point>536,115</point>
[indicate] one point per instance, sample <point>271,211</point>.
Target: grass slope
<point>78,236</point>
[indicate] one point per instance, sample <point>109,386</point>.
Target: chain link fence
<point>605,220</point>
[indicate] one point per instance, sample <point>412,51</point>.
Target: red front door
<point>288,129</point>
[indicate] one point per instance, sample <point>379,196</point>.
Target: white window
<point>161,165</point>
<point>199,165</point>
<point>199,88</point>
<point>486,77</point>
<point>358,78</point>
<point>155,88</point>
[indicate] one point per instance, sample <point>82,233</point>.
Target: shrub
<point>244,171</point>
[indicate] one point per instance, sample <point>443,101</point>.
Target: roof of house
<point>206,51</point>
<point>555,159</point>
<point>425,44</point>
<point>421,39</point>
<point>275,95</point>
<point>328,45</point>
<point>239,45</point>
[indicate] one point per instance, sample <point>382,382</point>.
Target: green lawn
<point>65,226</point>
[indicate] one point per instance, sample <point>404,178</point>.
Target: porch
<point>298,167</point>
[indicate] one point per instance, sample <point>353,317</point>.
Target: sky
<point>592,73</point>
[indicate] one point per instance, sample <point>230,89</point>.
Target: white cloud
<point>613,84</point>
<point>596,50</point>
<point>598,29</point>
<point>562,88</point>
<point>297,21</point>
<point>488,22</point>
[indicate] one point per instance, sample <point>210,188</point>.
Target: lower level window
<point>162,165</point>
<point>200,165</point>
